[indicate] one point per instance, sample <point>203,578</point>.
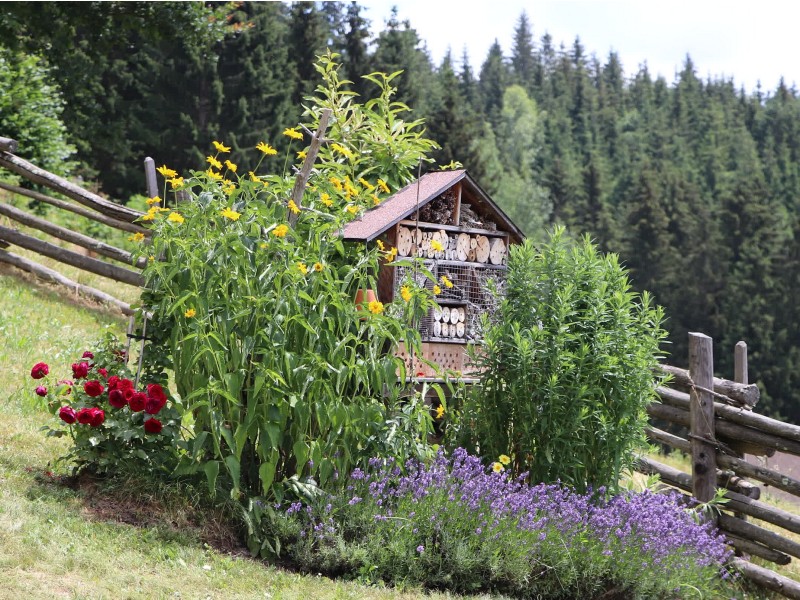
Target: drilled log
<point>756,549</point>
<point>738,392</point>
<point>78,210</point>
<point>52,276</point>
<point>768,579</point>
<point>68,235</point>
<point>71,258</point>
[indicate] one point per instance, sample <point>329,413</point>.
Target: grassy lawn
<point>61,540</point>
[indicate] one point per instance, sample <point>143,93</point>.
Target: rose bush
<point>111,423</point>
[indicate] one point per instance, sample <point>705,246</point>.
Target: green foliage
<point>117,435</point>
<point>286,381</point>
<point>566,366</point>
<point>30,111</point>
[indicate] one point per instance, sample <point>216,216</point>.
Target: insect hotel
<point>450,208</point>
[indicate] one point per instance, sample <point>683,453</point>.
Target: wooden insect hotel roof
<point>446,219</point>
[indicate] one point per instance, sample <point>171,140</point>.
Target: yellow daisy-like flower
<point>366,184</point>
<point>391,254</point>
<point>231,214</point>
<point>381,245</point>
<point>166,172</point>
<point>436,246</point>
<point>326,200</point>
<point>228,187</point>
<point>175,218</point>
<point>293,133</point>
<point>151,258</point>
<point>337,183</point>
<point>302,268</point>
<point>266,149</point>
<point>231,166</point>
<point>153,200</point>
<point>497,467</point>
<point>405,292</point>
<point>176,182</point>
<point>214,175</point>
<point>213,162</point>
<point>436,290</point>
<point>190,313</point>
<point>280,231</point>
<point>148,217</point>
<point>137,237</point>
<point>342,150</point>
<point>383,186</point>
<point>253,176</point>
<point>504,460</point>
<point>220,147</point>
<point>352,209</point>
<point>375,307</point>
<point>302,154</point>
<point>375,199</point>
<point>293,207</point>
<point>439,411</point>
<point>447,283</point>
<point>318,266</point>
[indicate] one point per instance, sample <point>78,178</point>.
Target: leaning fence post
<point>701,417</point>
<point>150,177</point>
<point>740,363</point>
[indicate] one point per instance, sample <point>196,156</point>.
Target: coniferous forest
<point>695,183</point>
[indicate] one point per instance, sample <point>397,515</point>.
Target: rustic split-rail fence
<point>716,415</point>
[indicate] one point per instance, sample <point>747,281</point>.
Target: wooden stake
<point>701,415</point>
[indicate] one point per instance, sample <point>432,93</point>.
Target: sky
<point>748,42</point>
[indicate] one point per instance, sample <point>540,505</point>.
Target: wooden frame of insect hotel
<point>450,208</point>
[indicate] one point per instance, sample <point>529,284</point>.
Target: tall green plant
<point>566,366</point>
<point>283,378</point>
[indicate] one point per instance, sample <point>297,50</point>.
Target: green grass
<point>107,540</point>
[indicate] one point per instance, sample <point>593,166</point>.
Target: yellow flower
<point>213,162</point>
<point>381,245</point>
<point>302,268</point>
<point>263,245</point>
<point>253,176</point>
<point>231,214</point>
<point>318,266</point>
<point>293,133</point>
<point>148,217</point>
<point>366,184</point>
<point>342,150</point>
<point>176,182</point>
<point>190,313</point>
<point>266,148</point>
<point>504,460</point>
<point>405,292</point>
<point>153,200</point>
<point>175,218</point>
<point>302,154</point>
<point>383,186</point>
<point>137,237</point>
<point>166,172</point>
<point>151,258</point>
<point>375,199</point>
<point>280,231</point>
<point>447,283</point>
<point>436,246</point>
<point>231,166</point>
<point>228,187</point>
<point>337,183</point>
<point>497,467</point>
<point>436,290</point>
<point>214,175</point>
<point>391,254</point>
<point>375,307</point>
<point>293,207</point>
<point>220,147</point>
<point>352,209</point>
<point>326,200</point>
<point>439,411</point>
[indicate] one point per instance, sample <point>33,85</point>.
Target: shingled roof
<point>416,194</point>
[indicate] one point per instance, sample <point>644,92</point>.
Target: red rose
<point>80,370</point>
<point>39,370</point>
<point>125,384</point>
<point>116,399</point>
<point>113,382</point>
<point>137,401</point>
<point>156,391</point>
<point>153,426</point>
<point>41,391</point>
<point>103,372</point>
<point>84,417</point>
<point>87,354</point>
<point>153,405</point>
<point>93,388</point>
<point>67,414</point>
<point>97,417</point>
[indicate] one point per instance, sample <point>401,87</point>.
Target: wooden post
<point>305,170</point>
<point>150,177</point>
<point>701,417</point>
<point>740,363</point>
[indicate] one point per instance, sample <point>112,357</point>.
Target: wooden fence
<point>720,428</point>
<point>84,203</point>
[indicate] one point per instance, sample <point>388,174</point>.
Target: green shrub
<point>566,367</point>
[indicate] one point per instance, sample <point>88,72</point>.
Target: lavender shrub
<point>455,524</point>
